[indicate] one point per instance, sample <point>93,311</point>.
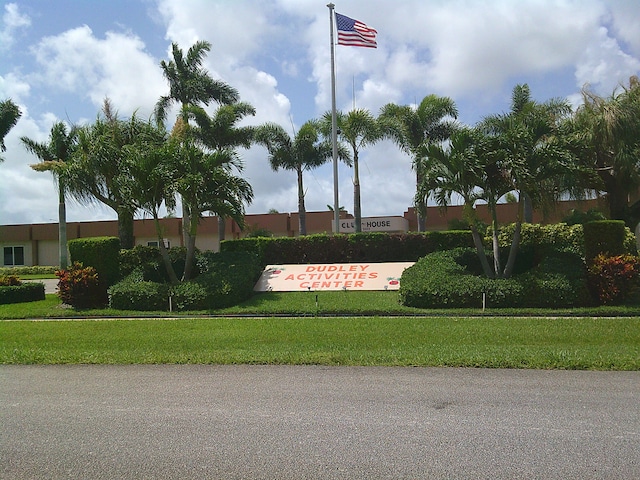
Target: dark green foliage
<point>148,262</point>
<point>604,236</point>
<point>80,287</point>
<point>575,217</point>
<point>359,247</point>
<point>131,294</point>
<point>449,279</point>
<point>26,292</point>
<point>228,278</point>
<point>224,279</point>
<point>101,253</point>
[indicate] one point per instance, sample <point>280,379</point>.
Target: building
<point>37,244</point>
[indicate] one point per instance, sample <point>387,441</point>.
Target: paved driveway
<point>312,422</point>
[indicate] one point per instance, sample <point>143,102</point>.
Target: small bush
<point>613,280</point>
<point>139,295</point>
<point>188,296</point>
<point>80,287</point>
<point>26,292</point>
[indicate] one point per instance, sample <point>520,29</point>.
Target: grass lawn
<point>347,337</point>
<point>496,342</point>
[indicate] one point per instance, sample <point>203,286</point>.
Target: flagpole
<point>334,127</point>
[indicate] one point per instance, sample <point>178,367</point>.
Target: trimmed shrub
<point>226,279</point>
<point>188,296</point>
<point>613,280</point>
<point>26,292</point>
<point>357,247</point>
<point>604,236</point>
<point>9,281</point>
<point>80,287</point>
<point>449,279</point>
<point>139,295</point>
<point>101,253</point>
<point>35,270</point>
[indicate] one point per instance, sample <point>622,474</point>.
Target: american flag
<point>354,33</point>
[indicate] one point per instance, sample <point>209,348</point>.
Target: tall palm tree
<point>534,154</point>
<point>432,121</point>
<point>302,152</point>
<point>609,129</point>
<point>189,85</point>
<point>359,129</point>
<point>55,155</point>
<point>9,116</point>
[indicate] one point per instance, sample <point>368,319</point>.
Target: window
<point>13,256</point>
<point>166,242</point>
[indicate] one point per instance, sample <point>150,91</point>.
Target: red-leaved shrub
<point>613,279</point>
<point>80,287</point>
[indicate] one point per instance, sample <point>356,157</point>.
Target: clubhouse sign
<point>374,224</point>
<point>339,276</point>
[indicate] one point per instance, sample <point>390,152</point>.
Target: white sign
<point>374,224</point>
<point>333,276</point>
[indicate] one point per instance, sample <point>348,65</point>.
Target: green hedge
<point>358,247</point>
<point>225,279</point>
<point>35,270</point>
<point>101,253</point>
<point>449,279</point>
<point>27,292</point>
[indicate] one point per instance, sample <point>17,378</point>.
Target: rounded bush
<point>443,280</point>
<point>143,295</point>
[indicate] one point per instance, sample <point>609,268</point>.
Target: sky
<point>59,60</point>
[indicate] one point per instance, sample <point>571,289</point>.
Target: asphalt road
<point>312,422</point>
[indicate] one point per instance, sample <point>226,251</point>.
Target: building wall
<point>40,241</point>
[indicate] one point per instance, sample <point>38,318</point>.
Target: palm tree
<point>466,167</point>
<point>358,129</point>
<point>413,128</point>
<point>302,152</point>
<point>190,85</point>
<point>609,129</point>
<point>54,156</point>
<point>9,116</point>
<point>100,170</point>
<point>533,153</point>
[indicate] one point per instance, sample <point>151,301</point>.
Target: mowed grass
<point>493,342</point>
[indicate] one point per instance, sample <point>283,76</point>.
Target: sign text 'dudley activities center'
<point>344,276</point>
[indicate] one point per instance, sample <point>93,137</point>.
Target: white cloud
<point>116,67</point>
<point>604,66</point>
<point>12,21</point>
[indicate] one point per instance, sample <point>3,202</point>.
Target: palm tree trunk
<point>357,212</point>
<point>62,230</point>
<point>125,227</point>
<point>477,241</point>
<point>302,213</point>
<point>515,241</point>
<point>497,267</point>
<point>222,225</point>
<point>173,278</point>
<point>421,206</point>
<point>191,249</point>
